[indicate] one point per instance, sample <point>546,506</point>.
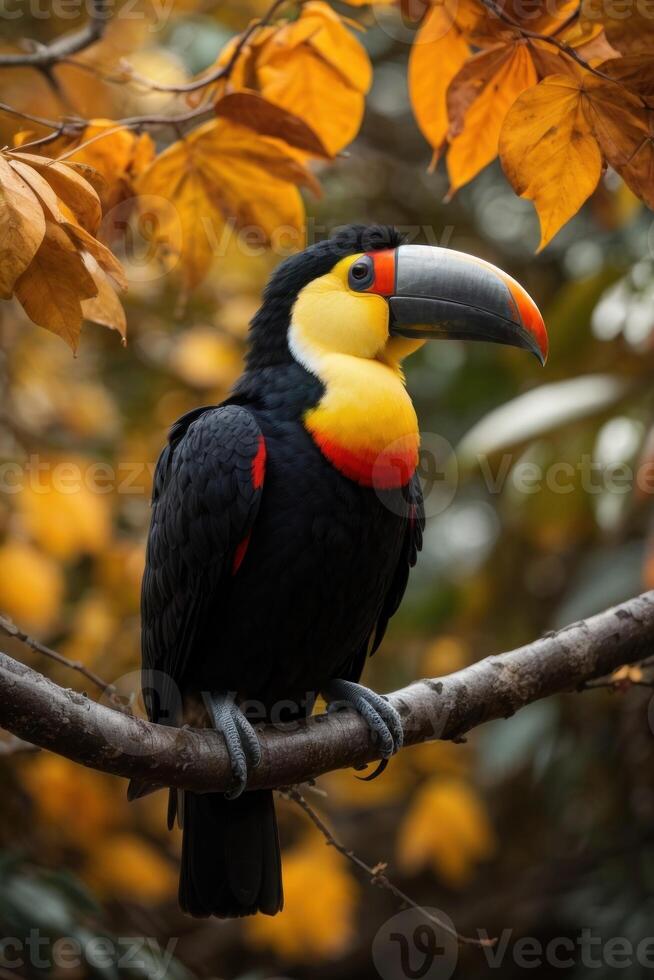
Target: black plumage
<point>265,581</point>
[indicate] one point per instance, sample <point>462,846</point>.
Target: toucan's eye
<point>361,274</point>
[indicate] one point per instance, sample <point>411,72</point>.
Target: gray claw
<point>380,715</point>
<point>240,738</point>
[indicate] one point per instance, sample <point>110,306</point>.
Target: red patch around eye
<point>384,262</point>
<point>239,554</point>
<point>259,464</point>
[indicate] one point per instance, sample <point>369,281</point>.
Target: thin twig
<point>377,874</point>
<point>45,56</point>
<point>220,72</point>
<point>10,629</point>
<point>567,49</point>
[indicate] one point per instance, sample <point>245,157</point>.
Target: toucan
<point>285,521</point>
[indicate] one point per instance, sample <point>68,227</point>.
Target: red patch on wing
<point>239,554</point>
<point>259,464</point>
<point>384,471</point>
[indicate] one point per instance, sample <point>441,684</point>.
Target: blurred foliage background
<point>541,824</point>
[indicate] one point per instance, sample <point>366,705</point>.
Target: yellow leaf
<point>549,152</point>
<point>31,586</point>
<point>63,509</point>
<point>204,359</point>
<point>304,84</point>
<point>52,288</point>
<point>22,227</point>
<point>78,802</point>
<point>501,76</point>
<point>447,829</point>
<point>320,27</point>
<point>437,54</point>
<point>220,173</point>
<point>317,922</point>
<point>128,867</point>
<point>312,67</point>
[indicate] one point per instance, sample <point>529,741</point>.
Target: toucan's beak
<point>437,292</point>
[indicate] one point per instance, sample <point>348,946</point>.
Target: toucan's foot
<point>382,718</point>
<point>240,738</point>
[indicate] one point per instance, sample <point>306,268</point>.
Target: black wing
<point>207,490</point>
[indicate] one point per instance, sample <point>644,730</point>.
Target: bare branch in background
<point>45,56</point>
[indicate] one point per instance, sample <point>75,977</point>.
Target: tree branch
<point>45,56</point>
<point>37,710</point>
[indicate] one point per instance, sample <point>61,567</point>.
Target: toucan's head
<point>365,293</point>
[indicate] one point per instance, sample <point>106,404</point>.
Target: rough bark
<point>36,710</point>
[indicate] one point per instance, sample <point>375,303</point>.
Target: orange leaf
<point>437,54</point>
<point>221,173</point>
<point>501,76</point>
<point>549,152</point>
<point>22,227</point>
<point>250,109</point>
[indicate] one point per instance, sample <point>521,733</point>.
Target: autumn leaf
<point>104,308</point>
<point>52,288</point>
<point>549,152</point>
<point>312,67</point>
<point>624,130</point>
<point>635,73</point>
<point>31,585</point>
<point>249,108</point>
<point>437,54</point>
<point>22,227</point>
<point>51,214</point>
<point>478,99</point>
<point>447,829</point>
<point>221,174</point>
<point>62,511</point>
<point>316,923</point>
<point>70,187</point>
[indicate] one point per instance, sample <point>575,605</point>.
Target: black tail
<point>231,864</point>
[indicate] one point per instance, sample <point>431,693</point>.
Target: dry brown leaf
<point>73,189</point>
<point>437,54</point>
<point>636,72</point>
<point>624,130</point>
<point>22,227</point>
<point>219,174</point>
<point>549,152</point>
<point>41,188</point>
<point>502,75</point>
<point>249,108</point>
<point>105,308</point>
<point>52,287</point>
